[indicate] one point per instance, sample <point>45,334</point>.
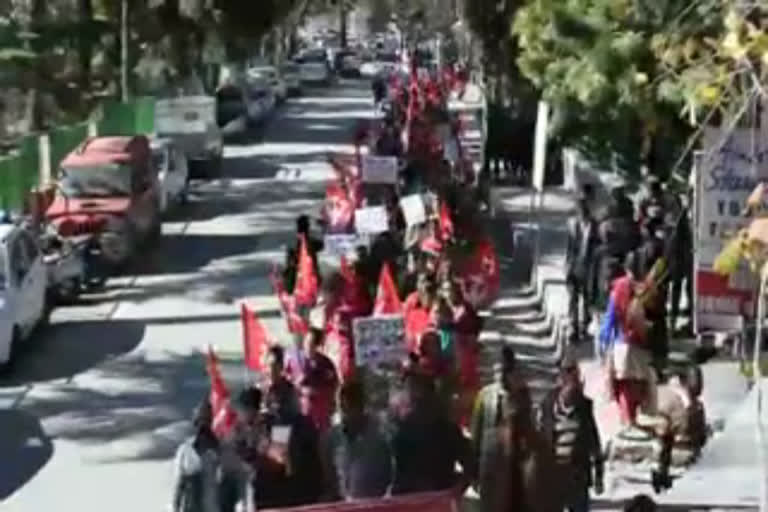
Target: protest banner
<point>414,210</point>
<point>380,169</point>
<point>379,342</point>
<point>725,175</point>
<point>343,245</point>
<point>372,220</point>
<point>443,501</point>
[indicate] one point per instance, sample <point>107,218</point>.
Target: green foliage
<point>596,62</point>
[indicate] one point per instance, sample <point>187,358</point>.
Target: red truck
<point>108,193</point>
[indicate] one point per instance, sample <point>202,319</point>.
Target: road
<point>91,417</point>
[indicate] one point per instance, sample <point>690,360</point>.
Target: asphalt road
<point>91,417</point>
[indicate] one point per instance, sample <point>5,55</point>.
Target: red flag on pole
<point>254,339</point>
<point>306,288</point>
<point>387,300</point>
<point>224,415</point>
<point>296,324</point>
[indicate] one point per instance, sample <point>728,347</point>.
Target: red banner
<point>422,502</point>
<point>479,275</point>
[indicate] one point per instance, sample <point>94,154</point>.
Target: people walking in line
<point>196,468</point>
<point>579,268</point>
<point>567,420</point>
<point>357,456</point>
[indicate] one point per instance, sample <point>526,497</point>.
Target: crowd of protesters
<point>309,433</point>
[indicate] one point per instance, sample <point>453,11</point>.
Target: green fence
<point>137,116</point>
<point>62,141</point>
<point>20,170</point>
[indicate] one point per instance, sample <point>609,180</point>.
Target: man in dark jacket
<point>427,444</point>
<point>567,420</point>
<point>579,267</point>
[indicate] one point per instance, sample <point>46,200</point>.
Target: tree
<point>595,62</point>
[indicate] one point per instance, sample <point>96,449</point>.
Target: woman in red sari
<point>418,311</point>
<point>466,326</point>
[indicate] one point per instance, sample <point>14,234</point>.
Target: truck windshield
<point>96,181</point>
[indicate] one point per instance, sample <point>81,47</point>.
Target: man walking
<point>567,420</point>
<point>579,263</point>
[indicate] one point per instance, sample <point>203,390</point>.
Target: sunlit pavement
<point>91,417</point>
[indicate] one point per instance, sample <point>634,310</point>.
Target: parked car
<point>292,76</point>
<point>23,286</point>
<point>172,172</point>
<point>236,111</point>
<point>348,64</point>
<point>273,78</point>
<point>314,67</point>
<point>108,191</point>
<point>190,121</point>
<point>261,91</point>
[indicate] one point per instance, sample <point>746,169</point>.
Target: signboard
<point>726,174</point>
<point>380,169</point>
<point>379,342</point>
<point>343,245</point>
<point>414,210</point>
<point>372,220</point>
<point>418,502</point>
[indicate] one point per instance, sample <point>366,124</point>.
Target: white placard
<point>413,209</point>
<point>343,245</point>
<point>379,342</point>
<point>380,169</point>
<point>281,434</point>
<point>372,220</point>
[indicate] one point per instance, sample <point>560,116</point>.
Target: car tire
<point>214,166</point>
<point>7,366</point>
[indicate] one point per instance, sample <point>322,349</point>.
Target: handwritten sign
<point>414,210</point>
<point>379,342</point>
<point>380,169</point>
<point>372,220</point>
<point>343,245</point>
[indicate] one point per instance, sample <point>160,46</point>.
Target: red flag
<point>254,339</point>
<point>224,415</point>
<point>479,275</point>
<point>296,324</point>
<point>446,223</point>
<point>346,270</point>
<point>387,300</point>
<point>305,291</point>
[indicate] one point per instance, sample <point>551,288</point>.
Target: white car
<point>23,287</point>
<point>313,67</point>
<point>271,76</point>
<point>370,69</point>
<point>172,172</point>
<point>292,76</point>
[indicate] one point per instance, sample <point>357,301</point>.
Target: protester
<point>512,460</point>
<point>333,316</point>
<point>623,337</point>
<point>356,452</point>
<point>248,439</point>
<point>567,420</point>
<point>314,246</point>
<point>315,376</point>
<point>680,248</point>
<point>418,310</point>
<point>650,253</point>
<point>579,268</point>
<point>427,444</point>
<point>281,397</point>
<point>196,467</point>
<point>640,503</point>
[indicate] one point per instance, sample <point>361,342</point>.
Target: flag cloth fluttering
<point>446,223</point>
<point>296,324</point>
<point>305,292</point>
<point>224,415</point>
<point>255,341</point>
<point>387,299</point>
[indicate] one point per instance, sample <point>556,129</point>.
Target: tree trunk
<point>85,46</point>
<point>124,50</point>
<point>343,23</point>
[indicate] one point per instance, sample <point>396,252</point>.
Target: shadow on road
<point>25,449</point>
<point>67,349</point>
